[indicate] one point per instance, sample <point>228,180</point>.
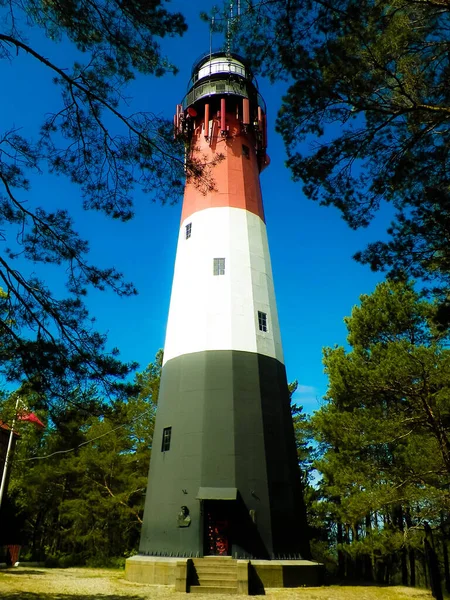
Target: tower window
<point>219,266</point>
<point>245,151</point>
<point>167,434</point>
<point>262,321</point>
<point>188,230</point>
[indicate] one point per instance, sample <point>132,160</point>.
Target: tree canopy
<point>365,119</point>
<point>87,135</point>
<point>383,436</point>
<point>77,489</point>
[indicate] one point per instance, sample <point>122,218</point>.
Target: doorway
<point>218,521</point>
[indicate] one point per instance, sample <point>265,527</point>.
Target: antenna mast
<point>229,23</point>
<point>211,27</point>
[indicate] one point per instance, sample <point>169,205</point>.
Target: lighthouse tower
<point>224,478</point>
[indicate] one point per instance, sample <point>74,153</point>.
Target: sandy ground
<point>30,583</point>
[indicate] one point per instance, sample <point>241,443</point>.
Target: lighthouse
<point>224,477</point>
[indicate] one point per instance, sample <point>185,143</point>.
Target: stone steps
<point>215,575</point>
<point>209,589</point>
<point>213,571</point>
<point>214,560</point>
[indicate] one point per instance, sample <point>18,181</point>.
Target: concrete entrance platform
<point>251,576</point>
<point>157,570</point>
<point>285,573</point>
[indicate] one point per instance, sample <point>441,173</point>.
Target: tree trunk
<point>433,564</point>
<point>387,573</point>
<point>35,545</point>
<point>446,566</point>
<point>368,557</point>
<point>398,519</point>
<point>341,557</point>
<point>358,561</point>
<point>425,570</point>
<point>411,553</point>
<point>445,554</point>
<point>348,558</point>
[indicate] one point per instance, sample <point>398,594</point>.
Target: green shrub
<point>111,562</point>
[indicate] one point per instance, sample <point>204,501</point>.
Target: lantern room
<point>222,89</point>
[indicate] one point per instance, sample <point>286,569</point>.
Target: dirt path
<point>95,584</point>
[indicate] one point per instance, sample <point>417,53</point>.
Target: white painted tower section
<point>220,312</point>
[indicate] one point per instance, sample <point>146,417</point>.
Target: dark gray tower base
<point>231,461</point>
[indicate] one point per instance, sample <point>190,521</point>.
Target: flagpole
<point>8,452</point>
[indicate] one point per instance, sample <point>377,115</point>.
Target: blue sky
<point>316,280</point>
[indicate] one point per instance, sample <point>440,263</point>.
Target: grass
<point>26,583</point>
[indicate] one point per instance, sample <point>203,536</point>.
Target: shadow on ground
<point>43,596</point>
<point>16,572</point>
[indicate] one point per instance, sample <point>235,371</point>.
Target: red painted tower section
<point>236,176</point>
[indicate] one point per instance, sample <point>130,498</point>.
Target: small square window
<point>167,434</point>
<point>219,266</point>
<point>262,321</point>
<point>188,230</point>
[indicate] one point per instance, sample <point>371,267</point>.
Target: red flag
<point>29,416</point>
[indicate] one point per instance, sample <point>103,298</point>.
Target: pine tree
<point>79,488</point>
<point>365,119</point>
<point>383,432</point>
<point>88,135</point>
